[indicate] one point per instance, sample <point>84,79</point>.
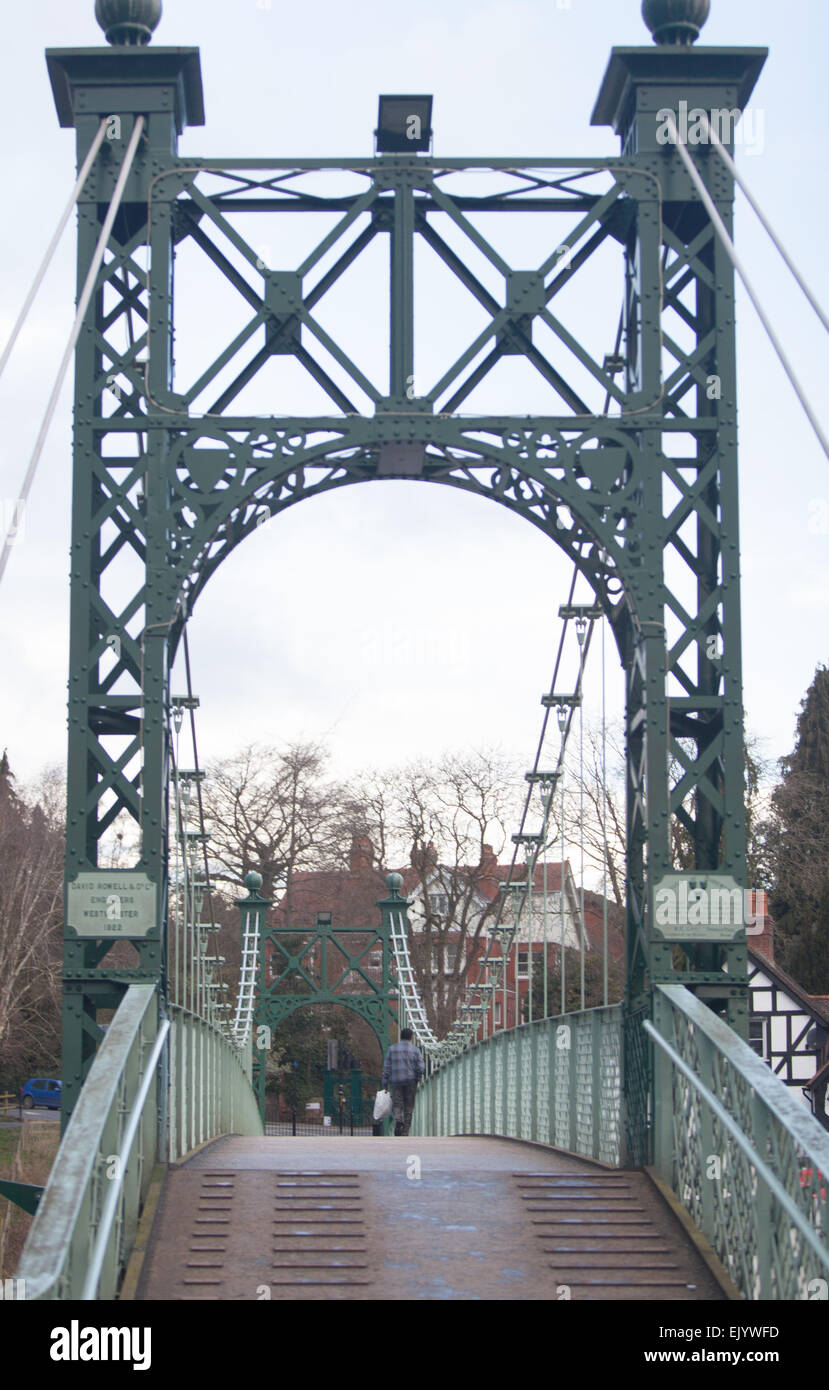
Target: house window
<point>375,960</point>
<point>450,956</point>
<point>439,904</point>
<point>497,1013</point>
<point>523,964</point>
<point>757,1036</point>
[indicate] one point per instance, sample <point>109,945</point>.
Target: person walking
<point>403,1068</point>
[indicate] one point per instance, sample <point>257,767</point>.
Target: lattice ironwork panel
<point>637,1077</point>
<point>563,1099</point>
<point>504,1084</point>
<point>511,1122</point>
<point>610,1112</point>
<point>585,1098</point>
<point>542,1087</point>
<point>527,1043</point>
<point>747,1159</point>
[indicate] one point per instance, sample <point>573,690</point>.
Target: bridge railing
<point>210,1085</point>
<point>740,1151</point>
<point>557,1081</point>
<point>85,1225</point>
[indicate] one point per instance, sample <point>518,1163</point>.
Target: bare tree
<point>447,822</point>
<point>31,913</point>
<point>273,811</point>
<point>599,809</point>
<point>595,804</point>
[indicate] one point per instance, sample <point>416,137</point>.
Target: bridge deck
<point>349,1218</point>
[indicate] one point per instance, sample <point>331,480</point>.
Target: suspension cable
<point>53,244</point>
<point>197,769</point>
<point>738,179</point>
<point>562,957</point>
<point>83,305</point>
<point>581,838</point>
<point>604,817</point>
<point>204,978</point>
<point>731,251</point>
<point>469,1025</point>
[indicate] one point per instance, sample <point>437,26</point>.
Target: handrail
<point>740,1150</point>
<point>775,1094</point>
<point>82,1234</point>
<point>780,1193</point>
<point>108,1214</point>
<point>56,1253</point>
<point>210,1085</point>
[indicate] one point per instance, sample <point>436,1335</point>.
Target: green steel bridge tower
<point>632,469</point>
<point>630,466</point>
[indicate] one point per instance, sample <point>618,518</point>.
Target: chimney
<point>760,941</point>
<point>423,859</point>
<point>488,881</point>
<point>361,854</point>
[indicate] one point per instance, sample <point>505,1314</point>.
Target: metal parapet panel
<point>556,1081</point>
<point>742,1154</point>
<point>85,1226</point>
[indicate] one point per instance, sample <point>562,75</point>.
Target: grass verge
<point>27,1158</point>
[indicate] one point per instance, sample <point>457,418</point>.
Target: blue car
<point>43,1091</point>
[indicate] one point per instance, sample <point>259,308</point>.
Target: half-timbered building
<point>788,1028</point>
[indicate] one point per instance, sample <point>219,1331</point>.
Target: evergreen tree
<point>799,901</point>
<point>8,796</point>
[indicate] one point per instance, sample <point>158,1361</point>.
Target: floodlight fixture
<point>404,125</point>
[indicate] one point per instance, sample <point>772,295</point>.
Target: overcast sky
<point>396,620</point>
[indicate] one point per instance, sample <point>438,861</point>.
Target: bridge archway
<point>162,493</point>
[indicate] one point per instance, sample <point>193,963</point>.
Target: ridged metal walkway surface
<point>370,1218</point>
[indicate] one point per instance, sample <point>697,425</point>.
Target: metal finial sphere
<point>128,21</point>
<point>394,882</point>
<point>253,881</point>
<point>675,21</point>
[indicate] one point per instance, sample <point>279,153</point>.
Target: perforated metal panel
<point>557,1081</point>
<point>743,1155</point>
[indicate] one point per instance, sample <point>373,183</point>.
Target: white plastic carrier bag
<point>382,1105</point>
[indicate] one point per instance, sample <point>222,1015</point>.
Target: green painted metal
<point>125,1122</point>
<point>108,1149</point>
<point>24,1194</point>
<point>211,1091</point>
<point>555,1081</point>
<point>742,1154</point>
<point>169,479</point>
<point>300,967</point>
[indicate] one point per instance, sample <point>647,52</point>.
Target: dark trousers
<point>403,1099</point>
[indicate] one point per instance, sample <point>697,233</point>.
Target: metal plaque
<point>702,907</point>
<point>114,902</point>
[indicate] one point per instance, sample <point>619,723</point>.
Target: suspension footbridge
<point>634,1150</point>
